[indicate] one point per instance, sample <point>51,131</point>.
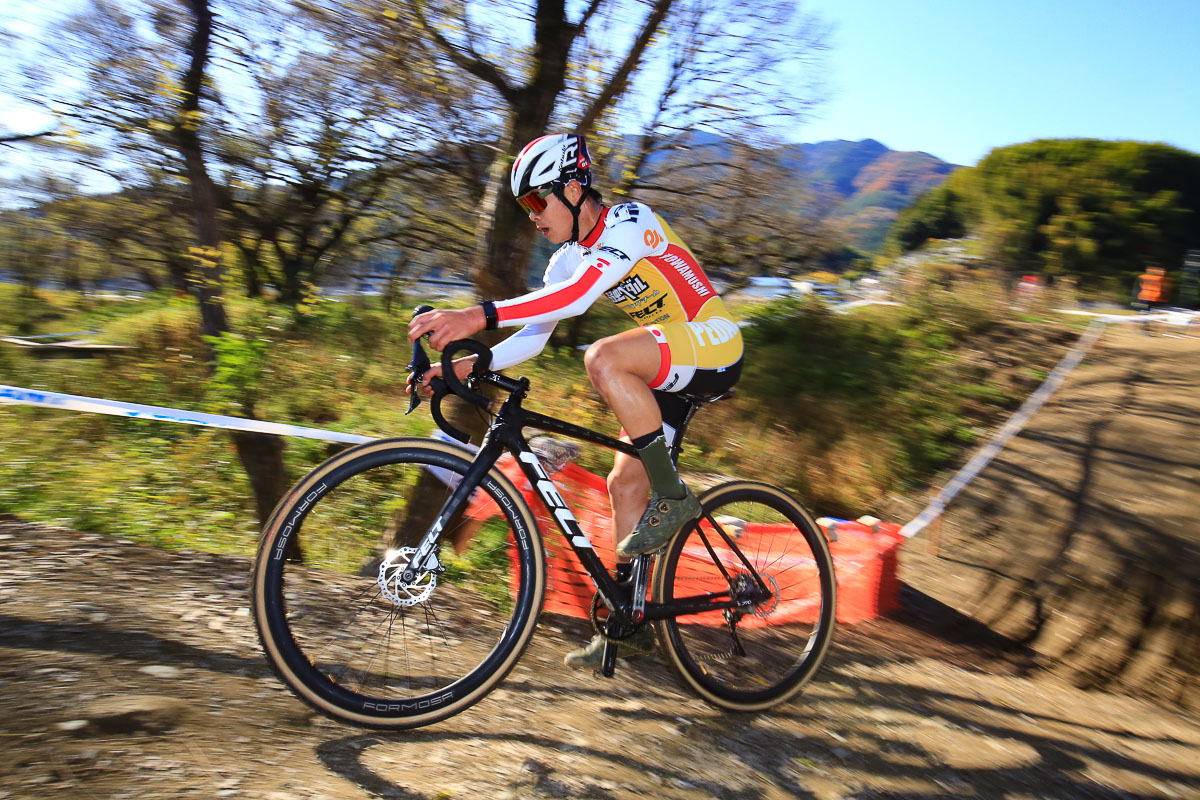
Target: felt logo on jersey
<point>629,289</point>
<point>619,254</point>
<point>649,310</point>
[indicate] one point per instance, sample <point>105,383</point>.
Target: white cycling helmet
<point>546,165</point>
<point>557,158</point>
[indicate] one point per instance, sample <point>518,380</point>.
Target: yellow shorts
<point>698,356</point>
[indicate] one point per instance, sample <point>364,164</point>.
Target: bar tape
<point>985,454</point>
<point>71,402</point>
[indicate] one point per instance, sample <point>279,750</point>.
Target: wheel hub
<point>767,607</point>
<point>391,578</point>
<point>745,588</point>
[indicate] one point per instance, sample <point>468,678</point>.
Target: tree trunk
<point>506,240</point>
<point>291,292</point>
<point>505,234</point>
<point>261,455</point>
<point>206,265</point>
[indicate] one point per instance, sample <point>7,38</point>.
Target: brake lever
<point>418,366</point>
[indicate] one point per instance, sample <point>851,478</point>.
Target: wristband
<point>489,314</point>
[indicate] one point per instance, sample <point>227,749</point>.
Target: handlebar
<point>449,381</point>
<point>483,360</point>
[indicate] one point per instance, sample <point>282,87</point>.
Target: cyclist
<point>684,338</point>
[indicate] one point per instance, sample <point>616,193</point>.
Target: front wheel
<point>756,543</point>
<point>343,628</point>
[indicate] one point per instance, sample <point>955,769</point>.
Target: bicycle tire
<point>785,638</point>
<point>392,659</point>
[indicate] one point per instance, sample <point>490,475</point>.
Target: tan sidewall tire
<point>679,660</point>
<point>267,552</point>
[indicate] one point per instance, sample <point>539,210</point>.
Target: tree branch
<point>22,137</point>
<point>468,61</point>
<point>587,15</point>
<point>620,78</point>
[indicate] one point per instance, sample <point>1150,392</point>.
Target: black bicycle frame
<point>505,433</point>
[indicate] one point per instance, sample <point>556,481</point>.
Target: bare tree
<point>664,68</point>
<point>154,114</point>
<point>260,454</point>
<point>528,83</point>
<point>314,161</point>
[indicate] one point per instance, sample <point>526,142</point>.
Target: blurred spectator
<point>1027,291</point>
<point>1151,291</point>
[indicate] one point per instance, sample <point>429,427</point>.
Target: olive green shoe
<point>662,519</point>
<point>591,655</point>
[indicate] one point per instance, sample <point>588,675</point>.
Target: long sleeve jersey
<point>633,258</point>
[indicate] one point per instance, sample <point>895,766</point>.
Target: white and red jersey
<point>634,258</point>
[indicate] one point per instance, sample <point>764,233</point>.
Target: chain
<point>708,659</point>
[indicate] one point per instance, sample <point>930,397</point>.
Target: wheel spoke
<point>348,631</point>
<point>782,637</point>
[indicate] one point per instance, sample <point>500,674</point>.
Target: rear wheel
<point>346,632</point>
<point>762,653</point>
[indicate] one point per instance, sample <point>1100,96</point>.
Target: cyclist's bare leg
<point>621,368</point>
<point>628,488</point>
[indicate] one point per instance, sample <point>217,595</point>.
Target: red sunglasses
<point>535,201</point>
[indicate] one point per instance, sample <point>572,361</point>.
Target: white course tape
<point>985,454</point>
<point>1170,316</point>
<point>71,402</point>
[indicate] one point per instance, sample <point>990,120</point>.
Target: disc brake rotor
<point>768,606</point>
<point>392,585</point>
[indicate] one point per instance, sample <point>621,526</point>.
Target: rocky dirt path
<point>1082,538</point>
<point>132,672</point>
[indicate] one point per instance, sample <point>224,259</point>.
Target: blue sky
<point>956,78</point>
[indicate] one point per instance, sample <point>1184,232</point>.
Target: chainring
<point>606,627</point>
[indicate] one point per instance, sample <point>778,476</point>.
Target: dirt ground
<point>1081,540</point>
<point>132,672</point>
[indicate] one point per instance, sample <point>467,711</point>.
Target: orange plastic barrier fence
<point>866,559</point>
<point>569,590</point>
<point>865,556</point>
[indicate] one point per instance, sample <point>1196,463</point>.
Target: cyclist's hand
<point>446,325</point>
<point>462,368</point>
<point>435,370</point>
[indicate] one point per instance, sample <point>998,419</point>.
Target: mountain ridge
<point>858,187</point>
<point>863,185</point>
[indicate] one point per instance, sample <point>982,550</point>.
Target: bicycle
<point>378,633</point>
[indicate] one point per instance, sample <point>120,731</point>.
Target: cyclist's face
<point>555,220</point>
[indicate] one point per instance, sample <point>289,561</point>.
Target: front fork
<point>425,559</point>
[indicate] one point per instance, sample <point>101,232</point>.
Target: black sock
<point>656,457</point>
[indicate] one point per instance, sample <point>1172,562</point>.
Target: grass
<point>841,410</point>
